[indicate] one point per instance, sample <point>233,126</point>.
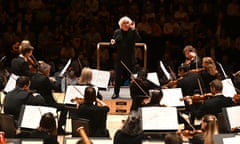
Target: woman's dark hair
<point>90,94</point>
<point>132,125</point>
<point>48,123</point>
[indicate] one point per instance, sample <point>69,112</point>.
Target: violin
<point>198,70</point>
<point>190,133</point>
<point>172,83</point>
<point>197,97</point>
<point>78,100</point>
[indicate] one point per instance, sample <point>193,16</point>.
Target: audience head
<point>86,76</point>
<point>90,95</point>
<point>132,125</point>
<point>25,47</point>
<point>216,86</point>
<point>48,124</point>
<point>23,82</point>
<point>173,138</point>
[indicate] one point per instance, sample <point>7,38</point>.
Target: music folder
<point>159,119</point>
<point>231,115</point>
<point>30,115</point>
<point>74,91</point>
<point>171,97</point>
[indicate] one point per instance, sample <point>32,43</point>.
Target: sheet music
<point>232,116</point>
<point>152,76</point>
<point>171,97</point>
<point>74,91</point>
<point>231,140</point>
<point>11,84</point>
<point>31,115</point>
<point>65,68</point>
<point>167,74</point>
<point>159,118</point>
<point>228,88</point>
<point>100,78</point>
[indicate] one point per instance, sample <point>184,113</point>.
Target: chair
<point>76,123</point>
<point>7,124</point>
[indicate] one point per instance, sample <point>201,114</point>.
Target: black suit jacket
<point>16,98</point>
<point>211,106</point>
<point>20,67</point>
<point>42,85</point>
<point>97,117</point>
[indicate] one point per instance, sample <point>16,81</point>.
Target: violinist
<point>188,82</point>
<point>140,87</point>
<point>193,61</point>
<point>19,96</point>
<point>209,127</point>
<point>43,84</point>
<point>209,73</point>
<point>20,64</point>
<point>213,105</point>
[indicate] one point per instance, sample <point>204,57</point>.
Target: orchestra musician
<point>209,127</point>
<point>140,87</point>
<point>193,61</point>
<point>22,64</point>
<point>212,105</point>
<point>43,84</point>
<point>19,96</point>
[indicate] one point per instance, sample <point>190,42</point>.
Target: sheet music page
<point>32,115</point>
<point>171,97</point>
<point>165,71</point>
<point>100,78</point>
<point>11,84</point>
<point>74,91</point>
<point>159,118</point>
<point>228,88</point>
<point>65,68</point>
<point>231,140</point>
<point>153,77</point>
<point>233,116</point>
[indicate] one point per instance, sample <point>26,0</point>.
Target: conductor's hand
<point>132,25</point>
<point>113,41</point>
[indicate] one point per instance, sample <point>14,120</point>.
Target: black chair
<point>78,122</point>
<point>7,124</point>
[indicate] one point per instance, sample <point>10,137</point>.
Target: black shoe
<point>114,96</point>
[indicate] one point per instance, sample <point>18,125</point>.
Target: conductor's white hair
<point>124,19</point>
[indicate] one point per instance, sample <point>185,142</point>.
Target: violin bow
<point>133,79</point>
<point>221,67</point>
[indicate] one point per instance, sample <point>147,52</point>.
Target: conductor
<point>124,40</point>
